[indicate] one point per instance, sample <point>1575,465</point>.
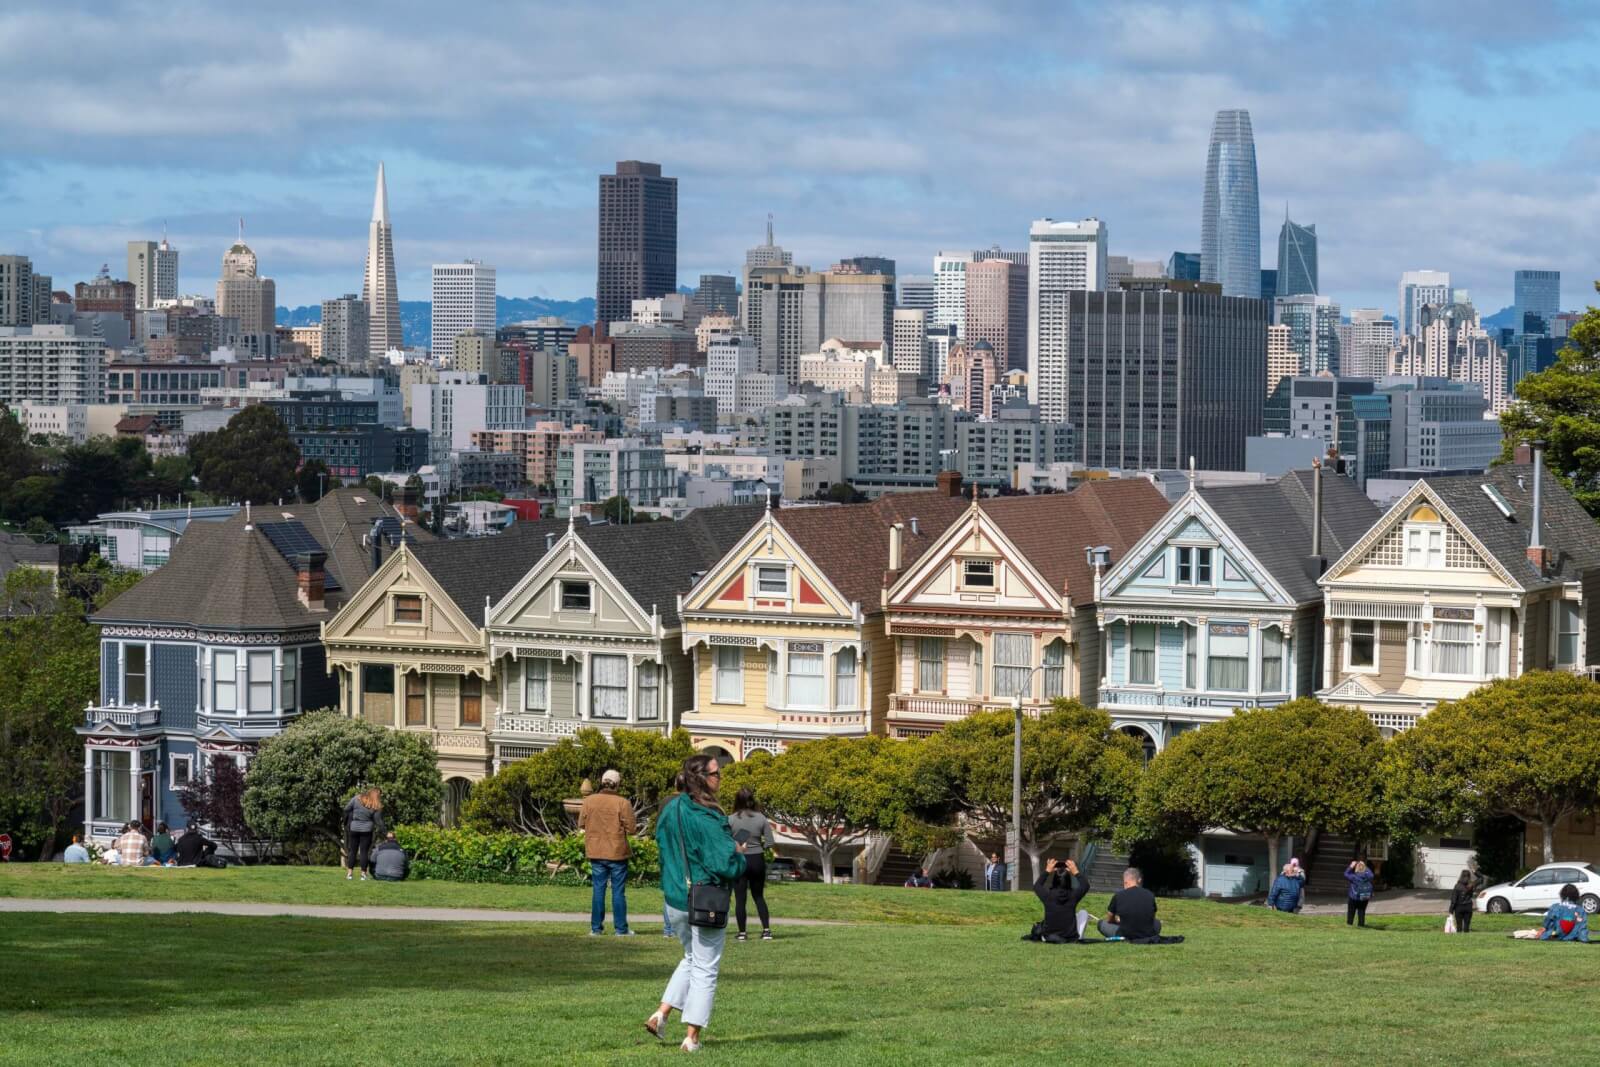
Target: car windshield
<point>1589,867</point>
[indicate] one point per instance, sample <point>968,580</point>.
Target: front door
<point>147,800</point>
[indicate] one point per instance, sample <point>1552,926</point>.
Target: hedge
<point>468,856</point>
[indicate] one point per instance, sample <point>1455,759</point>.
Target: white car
<point>1541,887</point>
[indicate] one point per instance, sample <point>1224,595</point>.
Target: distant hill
<point>1506,316</point>
<point>416,316</point>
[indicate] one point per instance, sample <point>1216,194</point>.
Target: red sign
<point>5,848</point>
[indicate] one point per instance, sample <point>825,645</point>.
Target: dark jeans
<point>754,882</point>
<point>1354,909</point>
<point>1108,928</point>
<point>615,872</point>
<point>357,849</point>
<point>1464,921</point>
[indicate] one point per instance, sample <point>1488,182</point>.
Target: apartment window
<point>575,596</point>
<point>181,773</point>
<point>1566,633</point>
<point>727,671</point>
<point>1228,657</point>
<point>1194,566</point>
<point>224,681</point>
<point>289,681</point>
<point>1191,645</point>
<point>1272,647</point>
<point>649,691</point>
<point>408,608</point>
<point>1055,669</point>
<point>608,687</point>
<point>772,581</point>
<point>844,678</point>
<point>1452,647</point>
<point>1013,659</point>
<point>536,684</point>
<point>471,701</point>
<point>1425,547</point>
<point>1142,654</point>
<point>1363,644</point>
<point>930,664</point>
<point>807,684</point>
<point>416,700</point>
<point>977,573</point>
<point>135,674</point>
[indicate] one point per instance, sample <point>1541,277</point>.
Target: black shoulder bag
<point>708,901</point>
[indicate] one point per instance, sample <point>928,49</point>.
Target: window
<point>977,669</point>
<point>1191,645</point>
<point>113,784</point>
<point>1452,647</point>
<point>807,685</point>
<point>1228,657</point>
<point>224,681</point>
<point>1194,566</point>
<point>727,669</point>
<point>1363,653</point>
<point>773,682</point>
<point>1494,642</point>
<point>135,674</point>
<point>772,581</point>
<point>181,773</point>
<point>471,701</point>
<point>1055,669</point>
<point>288,683</point>
<point>1566,633</point>
<point>1013,659</point>
<point>977,573</point>
<point>1142,654</point>
<point>408,608</point>
<point>1271,659</point>
<point>536,684</point>
<point>608,687</point>
<point>260,679</point>
<point>1425,547</point>
<point>416,700</point>
<point>844,678</point>
<point>575,596</point>
<point>649,691</point>
<point>930,664</point>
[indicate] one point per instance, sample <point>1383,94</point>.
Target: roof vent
<point>1499,501</point>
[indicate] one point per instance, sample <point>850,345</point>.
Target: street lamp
<point>1014,846</point>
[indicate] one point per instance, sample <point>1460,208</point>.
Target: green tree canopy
<point>299,781</point>
<point>831,792</point>
<point>1528,747</point>
<point>313,480</point>
<point>252,458</point>
<point>1561,406</point>
<point>1292,769</point>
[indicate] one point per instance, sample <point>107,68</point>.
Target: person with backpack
<point>699,864</point>
<point>1286,890</point>
<point>1359,877</point>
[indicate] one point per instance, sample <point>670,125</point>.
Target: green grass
<point>1249,986</point>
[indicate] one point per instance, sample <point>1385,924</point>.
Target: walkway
<point>318,911</point>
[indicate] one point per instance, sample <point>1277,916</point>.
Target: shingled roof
<point>850,543</point>
<point>1568,531</point>
<point>340,522</point>
<point>1273,521</point>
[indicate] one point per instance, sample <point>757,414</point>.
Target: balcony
<point>1147,699</point>
<point>133,717</point>
<point>903,706</point>
<point>523,724</point>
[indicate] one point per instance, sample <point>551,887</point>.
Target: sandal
<point>654,1025</point>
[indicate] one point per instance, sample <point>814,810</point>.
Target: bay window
<point>1013,660</point>
<point>1055,669</point>
<point>1228,657</point>
<point>727,675</point>
<point>224,681</point>
<point>112,775</point>
<point>844,678</point>
<point>649,691</point>
<point>1272,649</point>
<point>930,664</point>
<point>1142,653</point>
<point>609,686</point>
<point>806,680</point>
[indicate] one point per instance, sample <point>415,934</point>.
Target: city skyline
<point>506,174</point>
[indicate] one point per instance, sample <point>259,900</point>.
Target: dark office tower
<point>1297,260</point>
<point>1184,266</point>
<point>1537,293</point>
<point>1269,282</point>
<point>717,294</point>
<point>1230,211</point>
<point>638,245</point>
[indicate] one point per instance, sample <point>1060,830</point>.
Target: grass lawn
<point>1247,987</point>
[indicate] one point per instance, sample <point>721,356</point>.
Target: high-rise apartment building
<point>1063,257</point>
<point>1313,323</point>
<point>1536,293</point>
<point>768,254</point>
<point>638,239</point>
<point>1452,343</point>
<point>1418,289</point>
<point>24,295</point>
<point>909,350</point>
<point>153,270</point>
<point>1282,360</point>
<point>344,330</point>
<point>950,289</point>
<point>379,285</point>
<point>997,311</point>
<point>461,404</point>
<point>1297,259</point>
<point>463,299</point>
<point>51,364</point>
<point>917,292</point>
<point>790,311</point>
<point>1371,344</point>
<point>1151,375</point>
<point>1230,212</point>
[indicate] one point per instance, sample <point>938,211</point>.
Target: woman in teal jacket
<point>692,827</point>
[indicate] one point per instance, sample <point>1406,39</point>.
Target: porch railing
<point>133,716</point>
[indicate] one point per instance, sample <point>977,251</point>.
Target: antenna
<point>769,228</point>
<point>241,229</point>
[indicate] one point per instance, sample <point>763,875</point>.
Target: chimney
<point>407,505</point>
<point>376,541</point>
<point>897,534</point>
<point>1315,564</point>
<point>916,530</point>
<point>1538,554</point>
<point>1522,454</point>
<point>311,575</point>
<point>550,541</point>
<point>949,483</point>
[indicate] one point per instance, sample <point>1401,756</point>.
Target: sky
<point>1460,136</point>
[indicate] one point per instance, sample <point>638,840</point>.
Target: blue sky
<point>1458,136</point>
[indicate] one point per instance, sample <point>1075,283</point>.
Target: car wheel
<point>1591,903</point>
<point>1499,906</point>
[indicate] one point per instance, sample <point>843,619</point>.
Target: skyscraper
<point>153,270</point>
<point>1537,292</point>
<point>1297,259</point>
<point>1230,212</point>
<point>379,289</point>
<point>638,240</point>
<point>997,311</point>
<point>769,254</point>
<point>463,299</point>
<point>1184,266</point>
<point>344,330</point>
<point>950,289</point>
<point>1418,289</point>
<point>1371,344</point>
<point>1313,323</point>
<point>243,294</point>
<point>1063,257</point>
<point>917,291</point>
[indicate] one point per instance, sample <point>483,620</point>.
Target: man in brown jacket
<point>606,820</point>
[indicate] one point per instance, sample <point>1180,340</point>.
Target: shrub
<point>1499,854</point>
<point>469,856</point>
<point>1399,871</point>
<point>1168,867</point>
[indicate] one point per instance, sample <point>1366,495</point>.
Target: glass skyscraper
<point>1297,259</point>
<point>1536,292</point>
<point>1230,214</point>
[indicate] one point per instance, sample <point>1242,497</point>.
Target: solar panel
<point>291,539</point>
<point>393,532</point>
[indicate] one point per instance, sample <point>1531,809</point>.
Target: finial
<point>572,516</point>
<point>769,497</point>
<point>1191,472</point>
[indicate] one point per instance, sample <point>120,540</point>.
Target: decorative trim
<point>210,637</point>
<point>742,640</point>
<point>443,668</point>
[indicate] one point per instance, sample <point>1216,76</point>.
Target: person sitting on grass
<point>75,853</point>
<point>193,849</point>
<point>1059,888</point>
<point>1566,920</point>
<point>389,860</point>
<point>920,880</point>
<point>1131,915</point>
<point>132,848</point>
<point>161,845</point>
<point>1286,890</point>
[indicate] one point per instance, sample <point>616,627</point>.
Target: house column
<point>586,688</point>
<point>358,710</point>
<point>633,690</point>
<point>89,814</point>
<point>1480,639</point>
<point>1327,651</point>
<point>1255,657</point>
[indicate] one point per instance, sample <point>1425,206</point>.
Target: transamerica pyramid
<point>378,289</point>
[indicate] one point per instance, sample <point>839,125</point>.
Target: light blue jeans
<point>694,984</point>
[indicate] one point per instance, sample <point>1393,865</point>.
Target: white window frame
<point>1434,643</point>
<point>528,679</point>
<point>789,675</point>
<point>394,609</point>
<point>251,658</point>
<point>1425,542</point>
<point>764,573</point>
<point>229,678</point>
<point>1053,676</point>
<point>920,662</point>
<point>1023,670</point>
<point>1191,565</point>
<point>173,759</point>
<point>1557,609</point>
<point>851,700</point>
<point>595,661</point>
<point>573,583</point>
<point>992,585</point>
<point>1349,642</point>
<point>648,699</point>
<point>123,665</point>
<point>732,673</point>
<point>1211,682</point>
<point>1283,685</point>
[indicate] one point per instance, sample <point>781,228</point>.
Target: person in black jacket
<point>1059,888</point>
<point>193,848</point>
<point>1461,902</point>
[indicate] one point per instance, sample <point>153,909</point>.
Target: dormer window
<point>1424,535</point>
<point>772,580</point>
<point>576,596</point>
<point>977,573</point>
<point>1194,566</point>
<point>408,608</point>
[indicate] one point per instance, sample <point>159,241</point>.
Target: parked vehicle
<point>1541,887</point>
<point>783,869</point>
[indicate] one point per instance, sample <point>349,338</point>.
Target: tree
<point>1292,769</point>
<point>528,796</point>
<point>831,792</point>
<point>1527,747</point>
<point>313,480</point>
<point>216,798</point>
<point>252,458</point>
<point>841,493</point>
<point>1079,776</point>
<point>300,780</point>
<point>1561,406</point>
<point>618,510</point>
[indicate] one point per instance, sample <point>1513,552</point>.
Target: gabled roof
<point>1568,531</point>
<point>340,522</point>
<point>1273,522</point>
<point>1052,531</point>
<point>850,543</point>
